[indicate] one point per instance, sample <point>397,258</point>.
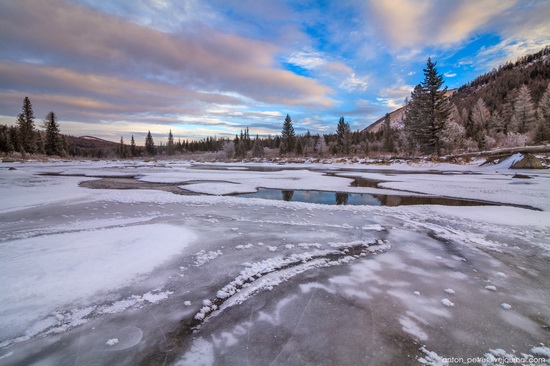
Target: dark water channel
<point>342,198</point>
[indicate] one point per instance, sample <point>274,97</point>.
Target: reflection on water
<point>343,198</point>
<point>287,195</point>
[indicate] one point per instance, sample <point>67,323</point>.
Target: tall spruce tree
<point>150,144</point>
<point>170,146</point>
<point>288,137</point>
<point>427,111</point>
<point>25,122</point>
<point>53,144</point>
<point>122,153</point>
<point>343,136</point>
<point>133,149</point>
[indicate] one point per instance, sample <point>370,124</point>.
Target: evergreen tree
<point>14,138</point>
<point>122,149</point>
<point>53,144</point>
<point>343,136</point>
<point>427,111</point>
<point>288,137</point>
<point>524,111</point>
<point>257,148</point>
<point>40,146</point>
<point>299,148</point>
<point>133,150</point>
<point>150,144</point>
<point>240,146</point>
<point>25,122</point>
<point>170,145</point>
<point>388,135</point>
<point>5,140</point>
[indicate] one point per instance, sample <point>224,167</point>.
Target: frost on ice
<point>209,279</point>
<point>112,341</point>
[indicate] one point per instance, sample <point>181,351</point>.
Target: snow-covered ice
<point>143,276</point>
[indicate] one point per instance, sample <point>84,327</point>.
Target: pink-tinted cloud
<point>74,36</point>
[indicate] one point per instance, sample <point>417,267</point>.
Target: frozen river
<point>92,275</point>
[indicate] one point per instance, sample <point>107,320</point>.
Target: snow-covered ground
<point>141,276</point>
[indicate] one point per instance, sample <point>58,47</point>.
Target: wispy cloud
<point>354,83</point>
<point>308,59</point>
<point>519,37</point>
<point>394,96</point>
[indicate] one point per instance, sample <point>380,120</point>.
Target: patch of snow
<point>506,306</point>
<point>204,257</point>
<point>506,163</point>
<point>449,291</point>
<point>447,302</point>
<point>155,298</point>
<point>375,227</point>
<point>431,358</point>
<point>247,246</point>
<point>411,327</point>
<point>490,288</point>
<point>114,256</point>
<point>268,273</point>
<point>112,341</point>
<point>200,354</point>
<point>541,351</point>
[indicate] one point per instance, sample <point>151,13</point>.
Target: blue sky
<point>213,67</point>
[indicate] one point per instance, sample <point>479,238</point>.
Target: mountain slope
<point>498,88</point>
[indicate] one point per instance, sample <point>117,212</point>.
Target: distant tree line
<point>507,107</point>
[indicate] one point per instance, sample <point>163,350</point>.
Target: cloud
<point>336,68</point>
<point>401,20</point>
<point>308,59</point>
<point>77,37</point>
<point>412,23</point>
<point>469,16</point>
<point>449,74</point>
<point>354,83</point>
<point>394,96</point>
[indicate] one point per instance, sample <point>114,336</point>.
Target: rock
<point>529,161</point>
<point>522,176</point>
<point>12,168</point>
